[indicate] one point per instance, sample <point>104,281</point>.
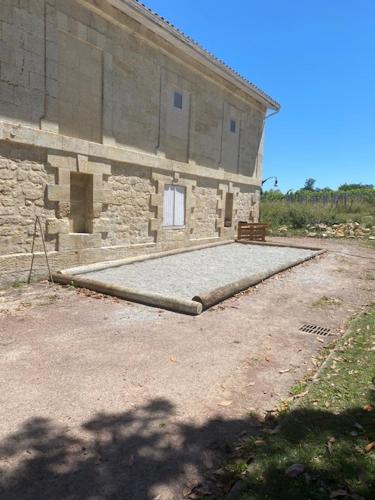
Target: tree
<point>309,184</point>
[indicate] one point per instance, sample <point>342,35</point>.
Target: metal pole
<point>37,222</point>
<point>32,253</point>
<point>44,248</point>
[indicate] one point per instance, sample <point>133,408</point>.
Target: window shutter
<point>168,206</point>
<point>179,208</point>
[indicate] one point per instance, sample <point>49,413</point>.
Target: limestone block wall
<point>22,58</point>
<point>248,201</point>
<point>130,212</point>
<point>23,181</point>
<point>87,102</point>
<point>67,69</point>
<point>206,210</point>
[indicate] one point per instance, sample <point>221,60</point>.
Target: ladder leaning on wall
<point>36,224</point>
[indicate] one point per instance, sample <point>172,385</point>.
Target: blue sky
<point>317,58</point>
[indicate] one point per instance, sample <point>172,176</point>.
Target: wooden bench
<point>252,231</point>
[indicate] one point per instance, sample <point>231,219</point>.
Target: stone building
<point>121,133</point>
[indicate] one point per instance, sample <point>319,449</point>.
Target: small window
<point>81,202</point>
<point>178,100</point>
<point>228,220</point>
<point>233,126</point>
<point>174,206</point>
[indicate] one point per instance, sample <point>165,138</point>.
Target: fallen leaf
<point>330,442</point>
<point>368,408</point>
<point>259,442</point>
<point>295,470</point>
<point>301,394</point>
<point>370,447</point>
<point>339,494</point>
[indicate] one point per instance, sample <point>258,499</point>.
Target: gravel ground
<point>188,274</point>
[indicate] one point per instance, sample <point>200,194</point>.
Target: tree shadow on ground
<point>130,455</point>
<point>115,456</point>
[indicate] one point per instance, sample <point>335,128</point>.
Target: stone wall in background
<point>23,181</point>
<point>90,135</point>
<point>127,213</point>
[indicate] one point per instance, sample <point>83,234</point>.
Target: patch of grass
<point>17,284</point>
<point>328,432</point>
<point>368,244</point>
<point>298,388</point>
<point>325,302</point>
<point>234,470</point>
<point>253,414</point>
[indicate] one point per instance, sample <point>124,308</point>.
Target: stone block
<point>56,226</point>
<point>157,199</point>
<point>94,167</point>
<point>61,160</point>
<point>63,176</point>
<point>59,193</point>
<point>97,209</point>
<point>36,81</point>
<point>155,224</point>
<point>52,88</point>
<point>63,209</point>
<point>73,241</point>
<point>52,51</point>
<point>102,225</point>
<point>6,11</point>
<point>6,52</point>
<point>103,196</point>
<point>7,92</point>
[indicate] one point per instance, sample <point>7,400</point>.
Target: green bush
<point>298,215</point>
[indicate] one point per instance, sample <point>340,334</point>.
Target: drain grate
<point>317,330</point>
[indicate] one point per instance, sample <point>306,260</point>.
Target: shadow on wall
<point>128,455</point>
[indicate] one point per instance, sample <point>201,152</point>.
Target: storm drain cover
<point>317,330</point>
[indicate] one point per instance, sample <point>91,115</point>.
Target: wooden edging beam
<point>132,294</point>
<point>213,297</point>
<point>275,244</point>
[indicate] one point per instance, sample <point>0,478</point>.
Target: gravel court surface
<point>188,274</point>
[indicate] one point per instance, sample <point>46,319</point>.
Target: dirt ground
<point>104,399</point>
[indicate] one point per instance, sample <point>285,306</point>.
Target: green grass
<point>327,431</point>
<point>326,302</point>
<point>369,244</point>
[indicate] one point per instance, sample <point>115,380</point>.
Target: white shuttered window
<point>174,206</point>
